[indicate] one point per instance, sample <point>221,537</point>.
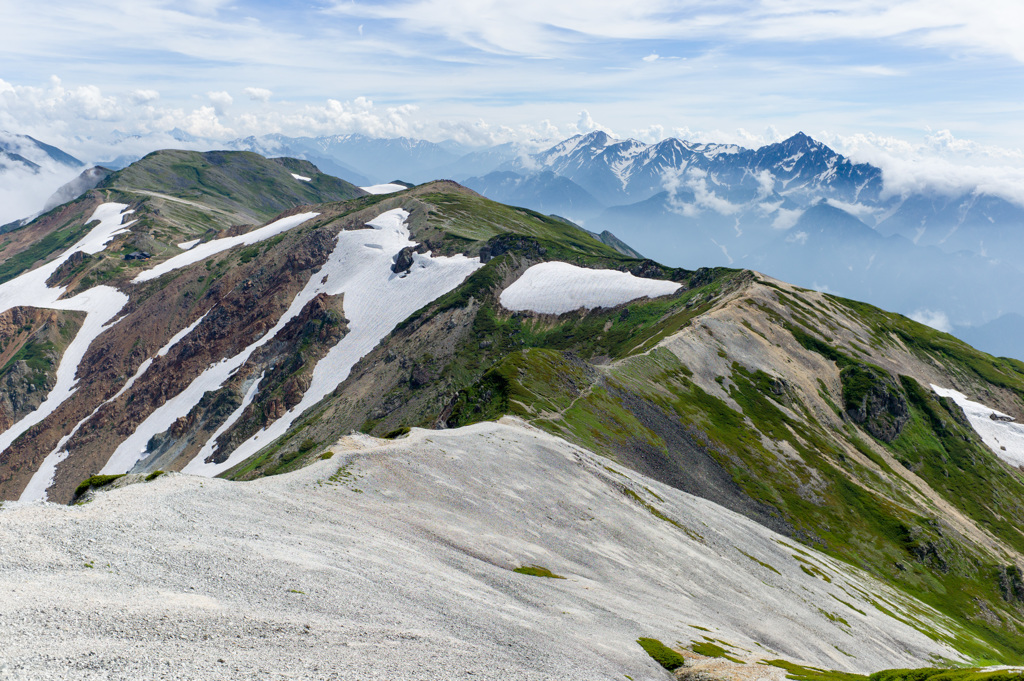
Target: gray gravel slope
<point>400,568</point>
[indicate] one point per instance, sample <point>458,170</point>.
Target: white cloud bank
<point>937,319</point>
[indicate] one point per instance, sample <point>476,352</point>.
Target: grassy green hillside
<point>177,196</point>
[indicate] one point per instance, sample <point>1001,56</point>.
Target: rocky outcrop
<point>22,390</point>
<point>404,259</point>
<point>31,344</point>
<point>873,400</point>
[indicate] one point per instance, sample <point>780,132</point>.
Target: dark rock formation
<point>873,400</point>
<point>403,261</point>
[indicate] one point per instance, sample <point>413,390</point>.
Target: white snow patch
<point>101,304</point>
<point>301,178</point>
<point>205,250</point>
<point>41,480</point>
<point>376,300</point>
<point>557,287</point>
<point>186,245</point>
<point>1004,438</point>
<point>210,447</point>
<point>389,188</point>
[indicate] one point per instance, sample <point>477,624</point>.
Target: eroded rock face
<point>31,344</point>
<point>1011,584</point>
<point>873,400</point>
<point>22,389</point>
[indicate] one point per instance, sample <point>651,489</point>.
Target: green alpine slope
<point>177,197</point>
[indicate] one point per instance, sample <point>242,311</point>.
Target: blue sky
<point>904,78</point>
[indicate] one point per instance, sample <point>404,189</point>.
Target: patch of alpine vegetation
<point>874,401</point>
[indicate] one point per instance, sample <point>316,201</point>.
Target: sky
<point>923,82</point>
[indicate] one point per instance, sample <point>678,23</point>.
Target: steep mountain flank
<point>742,406</point>
<point>31,344</point>
<point>294,311</point>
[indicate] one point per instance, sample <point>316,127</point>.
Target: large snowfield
<point>1003,437</point>
<point>557,287</point>
<point>376,300</point>
<point>394,559</point>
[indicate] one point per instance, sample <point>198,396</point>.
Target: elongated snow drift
<point>557,287</point>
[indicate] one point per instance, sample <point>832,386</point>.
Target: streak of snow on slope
<point>186,245</point>
<point>176,338</point>
<point>1005,439</point>
<point>205,250</point>
<point>557,287</point>
<point>210,448</point>
<point>389,188</point>
<point>301,178</point>
<point>376,300</point>
<point>413,577</point>
<point>101,304</point>
<point>43,478</point>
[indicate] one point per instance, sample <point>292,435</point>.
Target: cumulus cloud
<point>939,163</point>
<point>143,96</point>
<point>652,57</point>
<point>765,184</point>
<point>787,219</point>
<point>586,124</point>
<point>203,122</point>
<point>258,94</point>
<point>221,101</point>
<point>704,198</point>
<point>936,319</point>
<point>651,134</point>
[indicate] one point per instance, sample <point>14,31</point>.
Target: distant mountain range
<point>30,172</point>
<point>794,209</point>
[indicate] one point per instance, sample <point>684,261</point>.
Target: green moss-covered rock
<point>872,399</point>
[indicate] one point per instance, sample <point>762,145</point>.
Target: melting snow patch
<point>301,178</point>
<point>101,304</point>
<point>1002,436</point>
<point>557,287</point>
<point>389,188</point>
<point>376,300</point>
<point>205,250</point>
<point>186,245</point>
